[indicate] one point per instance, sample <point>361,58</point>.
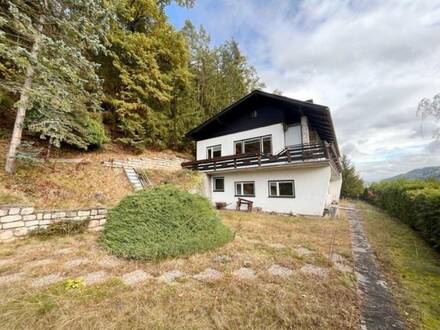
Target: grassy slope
<point>412,267</point>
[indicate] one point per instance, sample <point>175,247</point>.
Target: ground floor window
<point>282,188</point>
<point>219,183</point>
<point>245,188</point>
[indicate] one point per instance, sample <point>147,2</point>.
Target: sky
<point>370,62</point>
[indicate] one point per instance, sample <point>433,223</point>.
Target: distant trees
<point>431,108</point>
<point>352,184</point>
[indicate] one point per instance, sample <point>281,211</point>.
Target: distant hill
<point>419,173</point>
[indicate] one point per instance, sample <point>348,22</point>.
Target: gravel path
<point>378,309</point>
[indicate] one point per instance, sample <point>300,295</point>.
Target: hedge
<point>415,202</point>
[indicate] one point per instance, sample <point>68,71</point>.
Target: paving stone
<point>5,262</point>
<point>135,277</point>
<point>47,280</point>
<point>171,276</point>
<point>76,262</point>
<point>281,271</point>
<point>6,279</point>
<point>65,250</point>
<point>314,270</point>
<point>244,273</point>
<point>95,277</point>
<point>342,268</point>
<point>208,275</point>
<point>109,262</point>
<point>222,259</point>
<point>302,251</point>
<point>39,263</point>
<point>276,245</point>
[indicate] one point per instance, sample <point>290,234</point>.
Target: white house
<point>277,152</point>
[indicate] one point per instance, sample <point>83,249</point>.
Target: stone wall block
<point>93,212</point>
<point>58,215</point>
<point>27,210</point>
<point>14,210</point>
<point>31,223</point>
<point>6,235</point>
<point>84,213</point>
<point>71,214</point>
<point>10,218</point>
<point>44,222</point>
<point>15,224</point>
<point>21,231</point>
<point>39,216</point>
<point>47,216</point>
<point>102,211</point>
<point>3,212</point>
<point>93,223</point>
<point>29,217</point>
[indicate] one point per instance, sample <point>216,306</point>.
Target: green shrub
<point>96,133</point>
<point>417,203</point>
<point>61,228</point>
<point>163,222</point>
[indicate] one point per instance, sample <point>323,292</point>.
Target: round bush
<point>163,222</point>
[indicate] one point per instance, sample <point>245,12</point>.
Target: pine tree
<point>352,184</point>
<point>45,47</point>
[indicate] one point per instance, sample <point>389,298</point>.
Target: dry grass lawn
<point>301,301</point>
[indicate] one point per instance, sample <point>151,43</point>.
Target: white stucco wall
<point>311,189</point>
<point>334,190</point>
<point>227,141</point>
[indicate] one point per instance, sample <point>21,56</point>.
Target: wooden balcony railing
<point>302,152</point>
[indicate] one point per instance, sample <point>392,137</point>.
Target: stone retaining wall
<point>17,221</point>
<point>171,164</point>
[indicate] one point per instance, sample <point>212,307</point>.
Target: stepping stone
<point>135,277</point>
<point>76,262</point>
<point>95,277</point>
<point>38,263</point>
<point>245,273</point>
<point>47,280</point>
<point>170,277</point>
<point>5,262</point>
<point>314,270</point>
<point>65,251</point>
<point>222,259</point>
<point>12,278</point>
<point>109,262</point>
<point>281,271</point>
<point>276,245</point>
<point>208,275</point>
<point>302,251</point>
<point>343,268</point>
<point>337,258</point>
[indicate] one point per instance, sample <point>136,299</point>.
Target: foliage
<point>416,203</point>
<point>61,228</point>
<point>64,88</point>
<point>74,284</point>
<point>352,184</point>
<point>163,222</point>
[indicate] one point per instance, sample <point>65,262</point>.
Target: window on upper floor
<point>261,144</point>
<point>214,151</point>
<point>282,188</point>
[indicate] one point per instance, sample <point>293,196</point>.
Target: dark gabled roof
<point>319,115</point>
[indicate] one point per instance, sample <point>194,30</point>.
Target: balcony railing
<point>298,153</point>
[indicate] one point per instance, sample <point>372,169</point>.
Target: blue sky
<point>371,62</point>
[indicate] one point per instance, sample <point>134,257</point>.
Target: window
<point>282,188</point>
<point>219,183</point>
<point>256,145</point>
<point>246,188</point>
<point>214,151</point>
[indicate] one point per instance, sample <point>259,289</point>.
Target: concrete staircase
<point>133,177</point>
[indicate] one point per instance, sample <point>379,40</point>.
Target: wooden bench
<point>242,201</point>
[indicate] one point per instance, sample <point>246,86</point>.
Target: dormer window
<point>214,151</point>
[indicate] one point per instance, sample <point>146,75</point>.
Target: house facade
<point>277,152</point>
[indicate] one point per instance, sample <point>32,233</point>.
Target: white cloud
<point>369,61</point>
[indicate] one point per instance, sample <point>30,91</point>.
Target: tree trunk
<point>23,104</point>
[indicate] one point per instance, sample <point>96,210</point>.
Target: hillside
<point>431,172</point>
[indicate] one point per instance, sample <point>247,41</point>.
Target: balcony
<point>294,154</point>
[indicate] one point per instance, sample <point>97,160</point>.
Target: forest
<point>85,72</point>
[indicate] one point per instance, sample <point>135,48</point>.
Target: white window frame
<point>277,183</point>
<point>261,138</point>
<point>214,188</point>
<point>241,184</point>
<point>217,147</point>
